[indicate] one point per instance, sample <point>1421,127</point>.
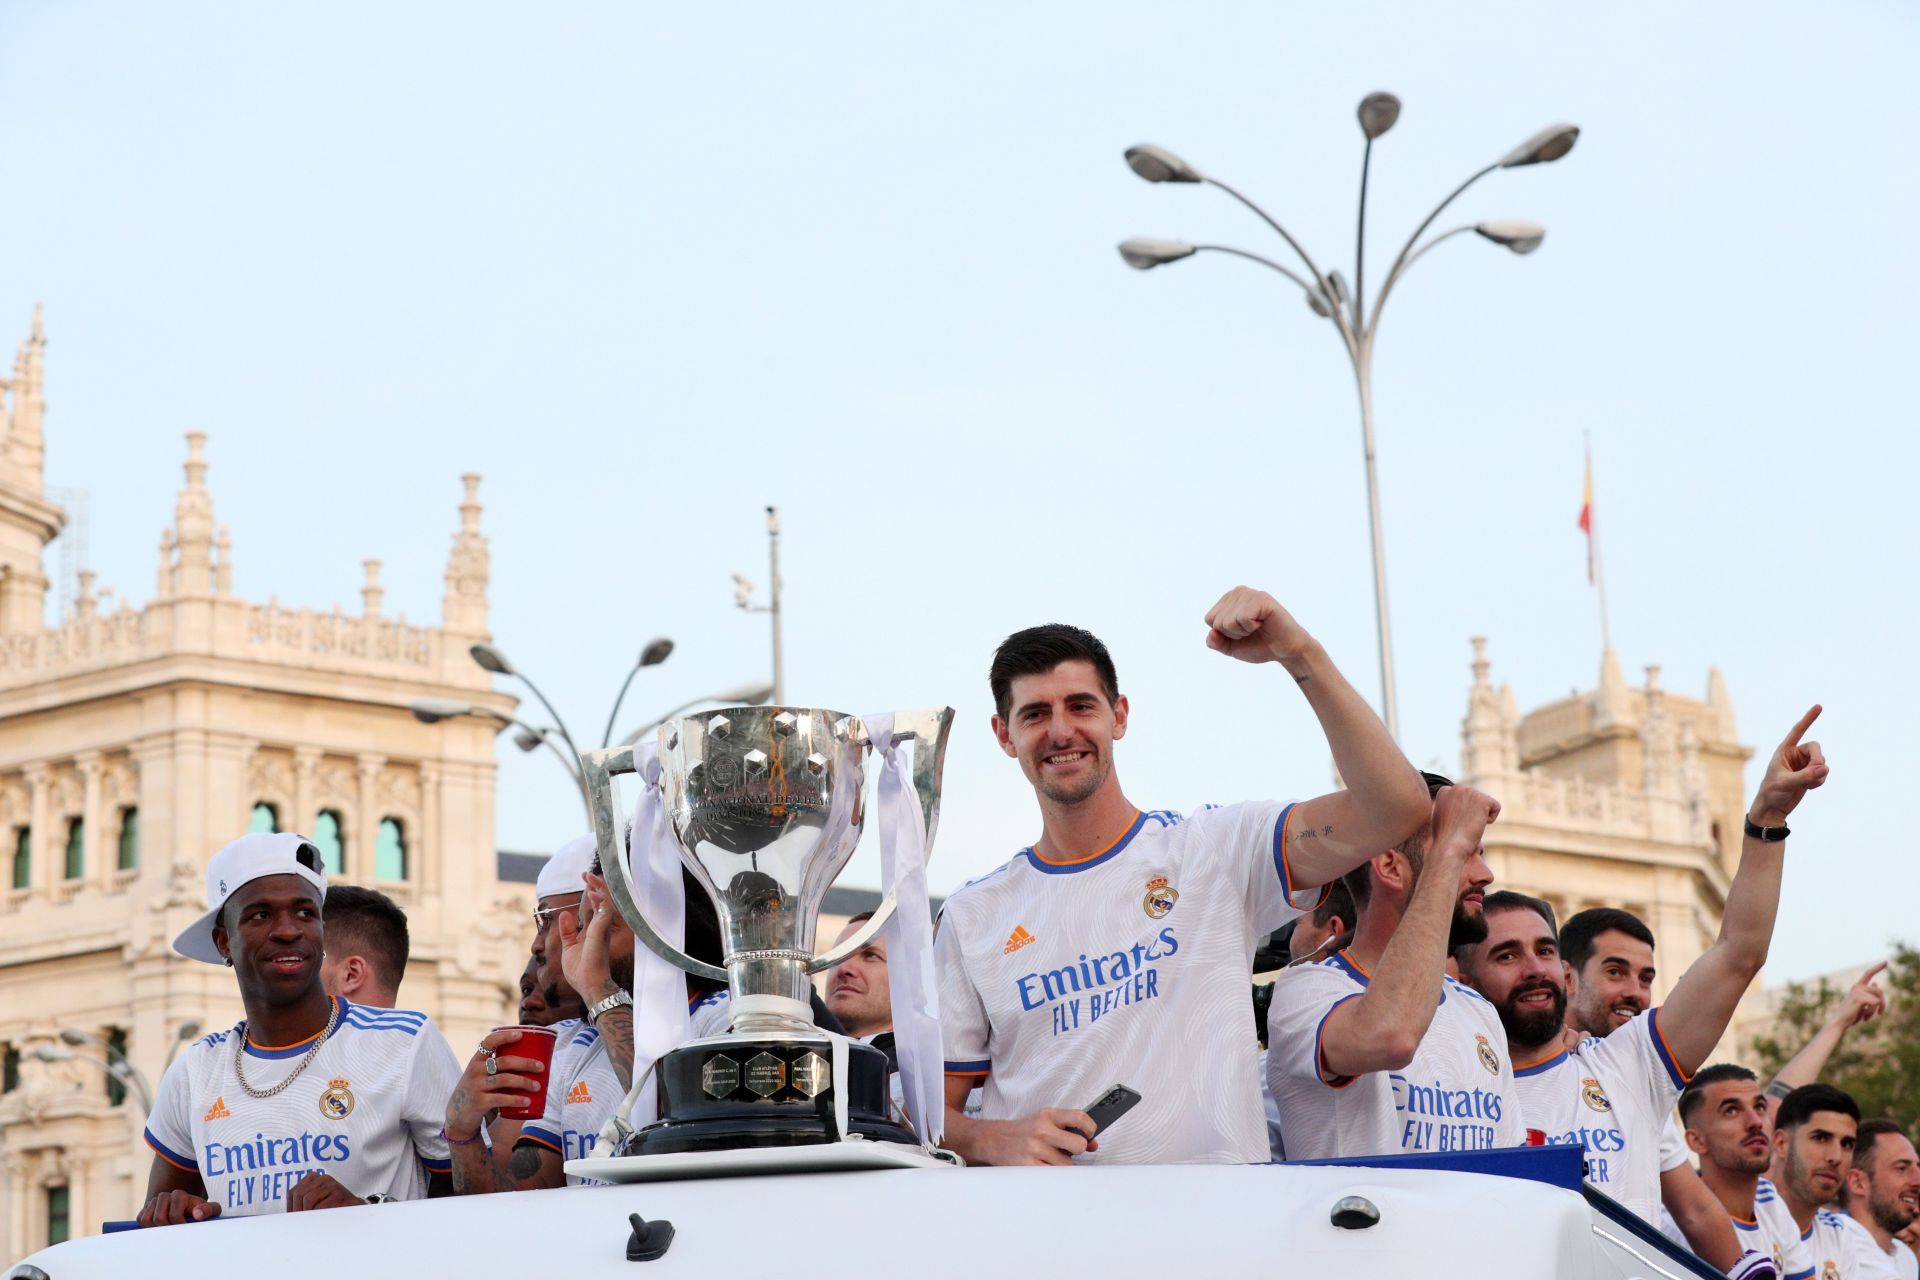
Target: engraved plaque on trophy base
<point>765,1091</point>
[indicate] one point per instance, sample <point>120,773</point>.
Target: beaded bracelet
<point>459,1142</point>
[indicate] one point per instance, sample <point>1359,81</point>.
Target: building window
<point>329,837</point>
<point>129,838</point>
<point>116,1055</point>
<point>76,849</point>
<point>265,818</point>
<point>59,1228</point>
<point>22,857</point>
<point>10,1076</point>
<point>390,851</point>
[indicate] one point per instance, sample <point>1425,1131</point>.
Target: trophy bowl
<point>765,806</point>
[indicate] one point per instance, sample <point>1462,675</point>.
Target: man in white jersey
<point>1116,949</point>
<point>1375,1050</point>
<point>312,1102</point>
<point>1725,1116</point>
<point>1882,1198</point>
<point>1815,1127</point>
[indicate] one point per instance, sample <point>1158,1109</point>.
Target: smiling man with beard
<point>1375,1050</point>
<point>311,1102</point>
<point>1883,1198</point>
<point>1116,948</point>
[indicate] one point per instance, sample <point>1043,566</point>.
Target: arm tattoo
<point>616,1033</point>
<point>524,1163</point>
<point>1303,678</point>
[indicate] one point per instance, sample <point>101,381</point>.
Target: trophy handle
<point>929,730</point>
<point>599,768</point>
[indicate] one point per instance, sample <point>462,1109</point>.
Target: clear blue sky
<point>649,268</point>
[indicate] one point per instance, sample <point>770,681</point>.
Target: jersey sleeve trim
<point>171,1156</point>
<point>1283,864</point>
<point>1800,1275</point>
<point>1319,1049</point>
<point>1667,1060</point>
<point>541,1135</point>
<point>981,1067</point>
<point>432,1165</point>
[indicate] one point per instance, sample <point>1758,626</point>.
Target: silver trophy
<point>766,805</point>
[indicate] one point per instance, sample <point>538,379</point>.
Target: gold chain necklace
<point>239,1052</point>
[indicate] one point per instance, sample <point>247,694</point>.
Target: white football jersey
<point>367,1110</point>
<point>1130,966</point>
<point>1773,1231</point>
<point>1611,1094</point>
<point>1456,1095</point>
<point>582,1090</point>
<point>1869,1261</point>
<point>1834,1248</point>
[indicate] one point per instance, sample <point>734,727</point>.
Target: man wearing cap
<point>311,1101</point>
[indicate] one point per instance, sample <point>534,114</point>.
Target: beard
<point>1465,930</point>
<point>1890,1212</point>
<point>1076,792</point>
<point>1533,1026</point>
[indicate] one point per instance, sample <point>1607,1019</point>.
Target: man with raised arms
<point>1613,1092</point>
<point>1375,1050</point>
<point>1116,948</point>
<point>311,1102</point>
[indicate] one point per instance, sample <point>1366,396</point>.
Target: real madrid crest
<point>337,1102</point>
<point>1160,897</point>
<point>1593,1095</point>
<point>1487,1056</point>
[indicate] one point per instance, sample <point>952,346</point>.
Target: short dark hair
<point>1799,1106</point>
<point>858,917</point>
<point>1508,900</point>
<point>368,923</point>
<point>1871,1131</point>
<point>1038,650</point>
<point>1338,902</point>
<point>1359,881</point>
<point>1694,1096</point>
<point>1582,927</point>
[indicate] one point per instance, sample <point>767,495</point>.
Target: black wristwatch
<point>1771,835</point>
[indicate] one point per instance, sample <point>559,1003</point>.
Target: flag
<point>1586,516</point>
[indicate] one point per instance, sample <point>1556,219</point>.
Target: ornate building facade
<point>134,741</point>
<point>1627,796</point>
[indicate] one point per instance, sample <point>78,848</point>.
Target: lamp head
<point>1377,113</point>
<point>188,1030</point>
<point>1543,147</point>
<point>527,739</point>
<point>1516,234</point>
<point>656,651</point>
<point>434,710</point>
<point>1143,254</point>
<point>491,659</point>
<point>1157,164</point>
<point>74,1036</point>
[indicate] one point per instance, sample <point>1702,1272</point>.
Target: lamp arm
<point>606,737</point>
<point>1360,242</point>
<point>1268,218</point>
<point>1401,263</point>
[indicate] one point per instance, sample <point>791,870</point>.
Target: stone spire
<point>1489,741</point>
<point>464,607</point>
<point>1659,741</point>
<point>25,439</point>
<point>1721,705</point>
<point>1611,703</point>
<point>193,525</point>
<point>371,594</point>
<point>223,567</point>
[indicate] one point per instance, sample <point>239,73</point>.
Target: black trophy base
<point>765,1091</point>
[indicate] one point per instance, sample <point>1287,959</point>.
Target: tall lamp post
<point>743,596</point>
<point>1327,293</point>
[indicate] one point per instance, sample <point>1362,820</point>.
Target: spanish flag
<point>1586,515</point>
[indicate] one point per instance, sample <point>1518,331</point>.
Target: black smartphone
<point>1113,1104</point>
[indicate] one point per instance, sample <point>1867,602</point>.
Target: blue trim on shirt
<point>1674,1073</point>
<point>168,1154</point>
<point>432,1165</point>
<point>535,1131</point>
<point>1534,1069</point>
<point>1319,1059</point>
<point>1339,961</point>
<point>976,1067</point>
<point>296,1050</point>
<point>1280,854</point>
<point>1057,869</point>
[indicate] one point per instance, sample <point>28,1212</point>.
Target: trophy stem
<point>769,990</point>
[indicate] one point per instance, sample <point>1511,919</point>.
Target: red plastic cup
<point>1535,1137</point>
<point>534,1042</point>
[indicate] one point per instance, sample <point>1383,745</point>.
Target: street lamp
<point>743,596</point>
<point>434,710</point>
<point>1327,293</point>
<point>122,1070</point>
<point>652,656</point>
<point>746,695</point>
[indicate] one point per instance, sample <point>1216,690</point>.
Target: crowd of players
<point>1421,1011</point>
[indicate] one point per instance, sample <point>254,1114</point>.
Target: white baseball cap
<point>257,854</point>
<point>566,870</point>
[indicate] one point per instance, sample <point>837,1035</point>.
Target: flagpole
<point>1593,550</point>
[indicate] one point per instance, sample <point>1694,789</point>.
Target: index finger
<point>1872,972</point>
<point>1806,722</point>
<point>499,1039</point>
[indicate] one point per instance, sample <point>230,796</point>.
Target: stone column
<point>367,829</point>
<point>44,874</point>
<point>93,866</point>
<point>306,769</point>
<point>430,853</point>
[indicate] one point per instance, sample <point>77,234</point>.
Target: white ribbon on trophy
<point>660,1018</point>
<point>912,982</point>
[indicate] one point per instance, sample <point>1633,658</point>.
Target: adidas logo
<point>579,1094</point>
<point>218,1111</point>
<point>1017,939</point>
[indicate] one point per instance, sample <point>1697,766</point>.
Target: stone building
<point>1627,796</point>
<point>134,741</point>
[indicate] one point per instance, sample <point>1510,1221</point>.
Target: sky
<point>650,268</point>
